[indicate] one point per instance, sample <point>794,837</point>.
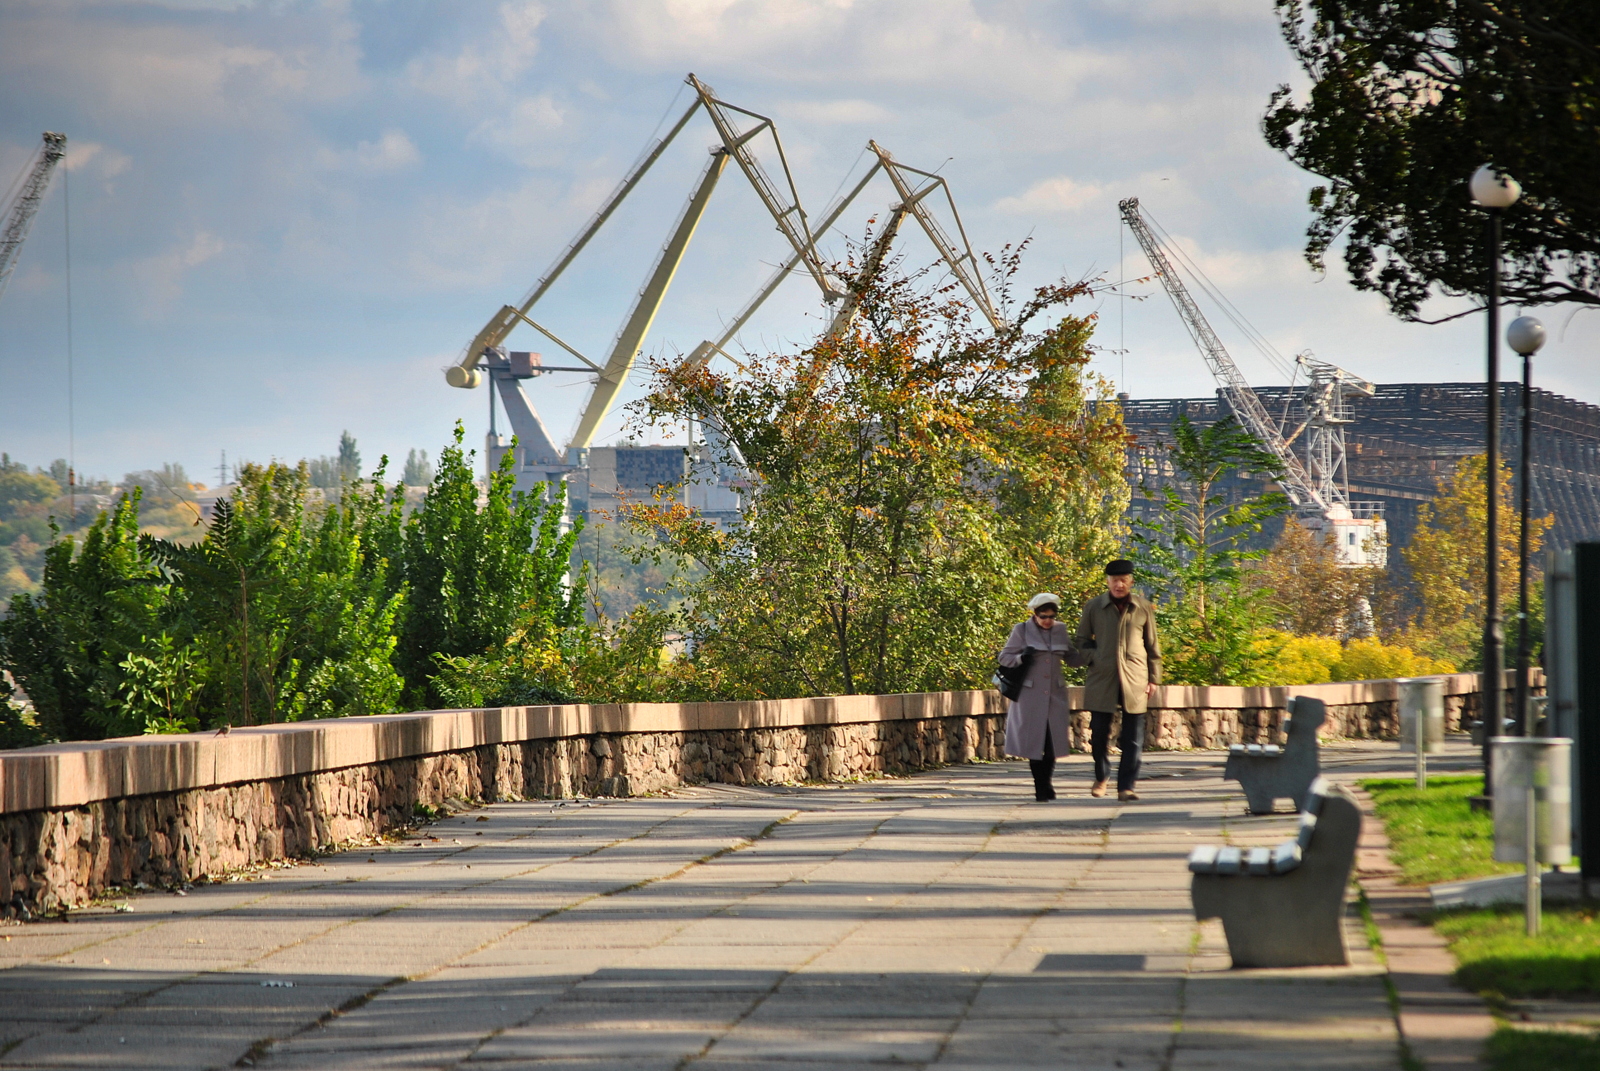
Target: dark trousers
<point>1043,770</point>
<point>1130,740</point>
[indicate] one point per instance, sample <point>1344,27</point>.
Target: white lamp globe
<point>1525,334</point>
<point>1493,188</point>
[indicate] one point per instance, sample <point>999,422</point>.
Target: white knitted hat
<point>1042,598</point>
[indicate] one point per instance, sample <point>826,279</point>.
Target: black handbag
<point>1009,678</point>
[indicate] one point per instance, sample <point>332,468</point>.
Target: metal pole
<point>1524,711</point>
<point>1532,893</point>
<point>1419,716</point>
<point>1493,628</point>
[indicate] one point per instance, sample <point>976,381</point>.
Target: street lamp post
<point>1525,335</point>
<point>1495,192</point>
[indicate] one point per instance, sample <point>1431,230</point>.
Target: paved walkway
<point>943,920</point>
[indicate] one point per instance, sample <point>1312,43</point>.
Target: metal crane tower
<point>19,215</point>
<point>541,460</point>
<point>1317,485</point>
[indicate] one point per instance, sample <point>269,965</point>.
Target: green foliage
<point>289,614</point>
<point>65,645</point>
<point>418,471</point>
<point>18,726</point>
<point>1193,558</point>
<point>1494,952</point>
<point>1407,100</point>
<point>474,572</point>
<point>1434,835</point>
<point>889,466</point>
<point>25,499</point>
<point>20,488</point>
<point>1517,1049</point>
<point>333,473</point>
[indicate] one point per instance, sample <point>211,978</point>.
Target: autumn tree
<point>1309,592</point>
<point>911,480</point>
<point>1448,563</point>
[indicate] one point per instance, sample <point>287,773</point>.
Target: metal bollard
<point>1532,808</point>
<point>1421,720</point>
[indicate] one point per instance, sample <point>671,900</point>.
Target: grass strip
<point>1496,956</point>
<point>1511,1049</point>
<point>1434,835</point>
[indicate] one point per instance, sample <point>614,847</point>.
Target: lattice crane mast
<point>736,129</point>
<point>1320,498</point>
<point>19,215</point>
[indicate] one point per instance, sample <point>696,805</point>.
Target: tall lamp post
<point>1494,191</point>
<point>1525,335</point>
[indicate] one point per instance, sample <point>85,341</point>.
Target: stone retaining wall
<point>78,819</point>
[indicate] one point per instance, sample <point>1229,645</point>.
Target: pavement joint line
<point>695,1057</point>
<point>1183,997</point>
<point>395,983</point>
<point>141,997</point>
<point>1022,933</point>
<point>1409,1061</point>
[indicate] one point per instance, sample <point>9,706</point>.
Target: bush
<point>1320,659</point>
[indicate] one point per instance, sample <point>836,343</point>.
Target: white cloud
<point>481,70</point>
<point>107,163</point>
<point>524,132</point>
<point>1051,197</point>
<point>837,112</point>
<point>162,275</point>
<point>392,151</point>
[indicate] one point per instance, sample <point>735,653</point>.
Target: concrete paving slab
<point>941,920</point>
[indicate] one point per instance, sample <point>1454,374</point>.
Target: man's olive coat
<point>1126,654</point>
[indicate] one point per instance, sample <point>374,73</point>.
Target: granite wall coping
<point>72,774</point>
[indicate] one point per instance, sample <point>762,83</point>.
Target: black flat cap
<point>1120,567</point>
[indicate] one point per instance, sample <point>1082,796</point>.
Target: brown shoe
<point>1098,790</point>
<point>1127,796</point>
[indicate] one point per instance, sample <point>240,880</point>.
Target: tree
<point>287,612</point>
<point>883,547</point>
<point>1448,562</point>
<point>418,471</point>
<point>1309,592</point>
<point>1194,556</point>
<point>474,572</point>
<point>20,488</point>
<point>1407,100</point>
<point>332,473</point>
<point>64,645</point>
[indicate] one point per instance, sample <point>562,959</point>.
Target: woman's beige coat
<point>1043,701</point>
<point>1126,654</point>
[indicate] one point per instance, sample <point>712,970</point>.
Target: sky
<point>284,220</point>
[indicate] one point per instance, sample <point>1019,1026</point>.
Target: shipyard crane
<point>19,214</point>
<point>1315,485</point>
<point>736,129</point>
<point>913,188</point>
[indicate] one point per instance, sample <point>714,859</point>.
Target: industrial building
<point>1407,436</point>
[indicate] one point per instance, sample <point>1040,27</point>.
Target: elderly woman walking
<point>1036,721</point>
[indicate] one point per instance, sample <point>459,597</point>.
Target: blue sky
<point>287,219</point>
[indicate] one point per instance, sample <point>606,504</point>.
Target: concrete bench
<point>1284,906</point>
<point>1268,773</point>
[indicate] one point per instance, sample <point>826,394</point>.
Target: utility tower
<point>19,214</point>
<point>1318,485</point>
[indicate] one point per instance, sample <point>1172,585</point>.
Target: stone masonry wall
<point>57,858</point>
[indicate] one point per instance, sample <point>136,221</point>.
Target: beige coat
<point>1126,655</point>
<point>1043,701</point>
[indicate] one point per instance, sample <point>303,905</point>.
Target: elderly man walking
<point>1116,639</point>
